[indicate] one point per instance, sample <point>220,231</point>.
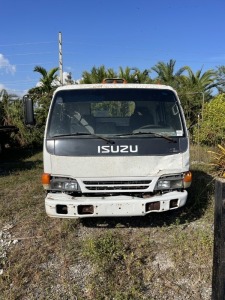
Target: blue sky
<point>112,33</point>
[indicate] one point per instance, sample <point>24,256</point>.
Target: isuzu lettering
<point>115,149</point>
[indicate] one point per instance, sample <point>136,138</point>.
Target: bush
<point>218,161</point>
<point>212,127</point>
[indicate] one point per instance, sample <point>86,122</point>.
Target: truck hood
<point>131,166</point>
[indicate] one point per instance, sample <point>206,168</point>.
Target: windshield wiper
<point>85,133</point>
<point>149,132</point>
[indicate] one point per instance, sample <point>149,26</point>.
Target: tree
<point>194,89</point>
<point>134,75</point>
<point>166,73</point>
<point>41,96</point>
<point>13,130</point>
<point>142,77</point>
<point>96,75</point>
<point>220,79</point>
<point>201,82</point>
<point>131,75</point>
<point>49,79</point>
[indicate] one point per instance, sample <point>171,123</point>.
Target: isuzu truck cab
<point>115,149</point>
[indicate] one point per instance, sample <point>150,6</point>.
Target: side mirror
<point>28,110</point>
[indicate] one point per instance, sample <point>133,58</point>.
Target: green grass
<point>160,256</point>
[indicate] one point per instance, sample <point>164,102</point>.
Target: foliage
<point>134,75</point>
<point>220,78</point>
<point>6,107</point>
<point>166,73</point>
<point>11,109</point>
<point>48,80</point>
<point>199,81</point>
<point>195,89</point>
<point>218,161</point>
<point>96,75</point>
<point>131,75</point>
<point>192,105</point>
<point>105,251</point>
<point>212,127</point>
<point>12,115</point>
<point>41,96</point>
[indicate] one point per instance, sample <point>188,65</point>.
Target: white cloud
<point>65,74</point>
<point>5,65</point>
<point>57,81</point>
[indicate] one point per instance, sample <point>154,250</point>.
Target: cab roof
<point>115,86</point>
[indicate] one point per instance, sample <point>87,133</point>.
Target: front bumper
<point>61,205</point>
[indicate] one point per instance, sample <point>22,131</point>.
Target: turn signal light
<point>45,179</point>
<point>187,179</point>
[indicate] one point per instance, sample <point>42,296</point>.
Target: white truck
<point>114,149</point>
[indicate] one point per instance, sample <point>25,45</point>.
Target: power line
<point>36,63</point>
<point>23,44</point>
<point>29,53</point>
<point>19,81</point>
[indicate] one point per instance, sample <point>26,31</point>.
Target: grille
<point>117,185</point>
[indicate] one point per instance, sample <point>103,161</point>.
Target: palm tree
<point>220,74</point>
<point>131,75</point>
<point>48,80</point>
<point>42,94</point>
<point>142,77</point>
<point>97,75</point>
<point>200,82</point>
<point>134,75</point>
<point>166,73</point>
<point>194,90</point>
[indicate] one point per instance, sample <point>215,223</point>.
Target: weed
<point>218,161</point>
<point>104,251</point>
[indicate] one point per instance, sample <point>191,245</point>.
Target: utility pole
<point>60,59</point>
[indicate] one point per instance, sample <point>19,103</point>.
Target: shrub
<point>212,127</point>
<point>218,161</point>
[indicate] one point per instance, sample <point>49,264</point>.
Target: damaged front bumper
<point>61,205</point>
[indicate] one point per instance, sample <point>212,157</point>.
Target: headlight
<point>163,184</point>
<point>170,183</point>
<point>64,184</point>
<point>70,186</point>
